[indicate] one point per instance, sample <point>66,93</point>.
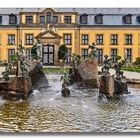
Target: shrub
<point>118,57</point>
<point>62,52</point>
<point>137,61</point>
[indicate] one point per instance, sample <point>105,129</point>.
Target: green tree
<point>62,52</point>
<point>137,61</point>
<point>118,57</point>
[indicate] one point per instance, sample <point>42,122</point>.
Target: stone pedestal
<point>110,86</point>
<point>120,87</point>
<point>17,87</point>
<point>86,74</point>
<point>107,85</point>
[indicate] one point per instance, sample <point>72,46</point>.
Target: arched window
<point>12,19</point>
<point>48,17</point>
<point>84,19</point>
<point>127,19</point>
<point>99,19</point>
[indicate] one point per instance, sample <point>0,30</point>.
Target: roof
<point>94,11</point>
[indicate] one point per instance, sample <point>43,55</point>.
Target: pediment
<point>48,35</point>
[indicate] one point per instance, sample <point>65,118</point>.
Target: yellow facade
<point>76,34</point>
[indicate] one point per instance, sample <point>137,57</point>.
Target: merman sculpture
<point>93,52</point>
<point>65,85</point>
<point>117,67</point>
<point>106,66</point>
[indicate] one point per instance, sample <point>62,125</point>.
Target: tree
<point>118,57</point>
<point>62,52</point>
<point>137,61</point>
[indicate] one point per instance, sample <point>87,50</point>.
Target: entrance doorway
<point>48,55</point>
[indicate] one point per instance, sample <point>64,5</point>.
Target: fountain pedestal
<point>107,85</point>
<point>16,87</point>
<point>110,86</point>
<point>120,87</point>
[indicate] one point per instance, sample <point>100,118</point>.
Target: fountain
<point>86,73</point>
<point>28,77</point>
<point>110,85</point>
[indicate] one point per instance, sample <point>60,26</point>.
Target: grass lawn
<point>55,70</point>
<point>131,68</point>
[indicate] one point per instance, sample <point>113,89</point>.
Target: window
<point>114,54</point>
<point>83,19</point>
<point>127,19</point>
<point>42,19</point>
<point>84,39</point>
<point>99,39</point>
<point>67,39</point>
<point>128,54</point>
<point>29,19</point>
<point>11,39</point>
<point>128,39</point>
<point>29,39</point>
<point>99,19</point>
<point>12,19</point>
<point>55,19</point>
<point>100,55</point>
<point>0,19</point>
<point>28,53</point>
<point>48,17</point>
<point>84,53</point>
<point>67,19</point>
<point>10,52</point>
<point>138,19</point>
<point>114,39</point>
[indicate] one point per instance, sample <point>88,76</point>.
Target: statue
<point>75,60</point>
<point>106,67</point>
<point>67,56</point>
<point>39,50</point>
<point>117,67</point>
<point>65,83</point>
<point>34,52</point>
<point>48,27</point>
<point>22,61</point>
<point>6,72</point>
<point>93,53</point>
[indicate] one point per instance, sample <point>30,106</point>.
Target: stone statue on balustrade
<point>106,66</point>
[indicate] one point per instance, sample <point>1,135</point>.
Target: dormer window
<point>48,17</point>
<point>138,19</point>
<point>0,19</point>
<point>127,19</point>
<point>99,19</point>
<point>84,19</point>
<point>12,19</point>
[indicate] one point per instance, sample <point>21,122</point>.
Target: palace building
<point>116,31</point>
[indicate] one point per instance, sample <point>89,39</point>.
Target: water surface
<point>82,112</point>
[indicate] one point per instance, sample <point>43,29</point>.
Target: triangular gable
<point>48,34</point>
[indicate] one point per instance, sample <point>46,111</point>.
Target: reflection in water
<point>47,111</point>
